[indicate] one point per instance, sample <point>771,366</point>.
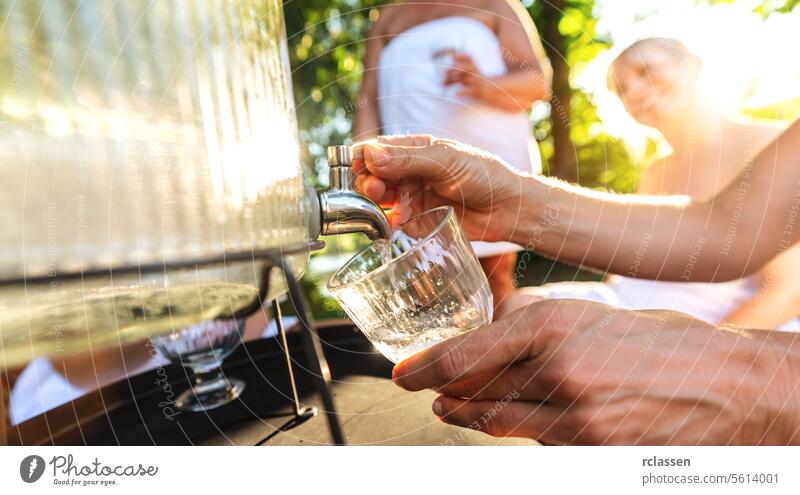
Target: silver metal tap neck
<point>339,171</point>
<point>343,210</point>
<point>340,156</point>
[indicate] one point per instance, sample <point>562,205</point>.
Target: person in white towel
<point>468,71</point>
<point>657,80</point>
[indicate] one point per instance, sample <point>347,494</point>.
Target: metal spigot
<point>342,209</point>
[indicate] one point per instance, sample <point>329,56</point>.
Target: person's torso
<point>406,15</point>
<point>413,99</point>
<point>705,169</point>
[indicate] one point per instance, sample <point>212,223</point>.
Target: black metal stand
<point>314,355</point>
<point>298,410</point>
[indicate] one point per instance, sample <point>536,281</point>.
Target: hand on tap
<point>414,173</point>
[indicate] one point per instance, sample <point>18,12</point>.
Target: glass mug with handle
<point>421,288</point>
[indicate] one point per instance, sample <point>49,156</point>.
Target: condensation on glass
<point>140,132</point>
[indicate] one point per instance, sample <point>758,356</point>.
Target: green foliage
<point>601,160</point>
<point>784,111</point>
<point>325,51</point>
<point>578,27</point>
<point>767,7</point>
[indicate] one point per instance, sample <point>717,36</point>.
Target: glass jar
<point>140,133</point>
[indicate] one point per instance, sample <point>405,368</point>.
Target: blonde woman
<point>657,80</point>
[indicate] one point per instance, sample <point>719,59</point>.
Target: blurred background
<point>746,46</point>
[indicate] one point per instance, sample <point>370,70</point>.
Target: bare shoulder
<point>508,10</point>
<point>506,5</point>
<point>388,15</point>
<point>766,132</point>
<point>756,135</point>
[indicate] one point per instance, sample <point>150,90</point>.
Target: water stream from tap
<point>384,249</point>
<point>389,249</point>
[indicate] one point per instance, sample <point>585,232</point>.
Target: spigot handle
<point>343,210</point>
<point>340,156</point>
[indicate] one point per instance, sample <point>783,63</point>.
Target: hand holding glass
<point>419,289</point>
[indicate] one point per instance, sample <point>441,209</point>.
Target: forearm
<point>662,237</point>
<point>100,367</point>
<point>767,310</point>
<point>366,124</point>
<point>515,91</point>
<point>624,234</point>
<point>671,238</point>
<point>777,299</point>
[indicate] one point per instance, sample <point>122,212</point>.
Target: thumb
<point>393,162</point>
<point>470,355</point>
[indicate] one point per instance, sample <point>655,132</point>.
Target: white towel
<point>707,302</point>
<point>40,388</point>
<point>413,99</point>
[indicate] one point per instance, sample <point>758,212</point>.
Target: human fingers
<point>469,91</point>
<point>373,188</point>
<point>506,417</point>
<point>396,140</point>
<point>495,384</point>
<point>517,337</point>
<point>463,60</point>
<point>393,162</point>
<point>454,76</point>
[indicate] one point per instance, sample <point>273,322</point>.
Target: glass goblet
<point>202,348</point>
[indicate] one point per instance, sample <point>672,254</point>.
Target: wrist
<point>769,363</point>
<point>783,393</point>
<point>483,89</point>
<point>533,216</point>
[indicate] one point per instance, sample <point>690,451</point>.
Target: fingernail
<point>437,407</point>
<point>377,154</point>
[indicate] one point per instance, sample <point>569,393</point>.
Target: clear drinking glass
<point>202,348</point>
<point>422,287</point>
